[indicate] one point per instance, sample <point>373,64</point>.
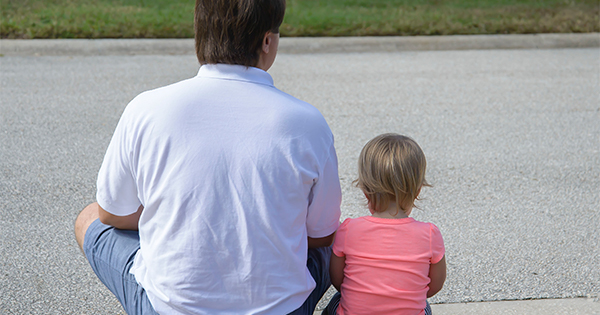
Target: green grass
<point>174,18</point>
<point>380,17</point>
<point>96,19</point>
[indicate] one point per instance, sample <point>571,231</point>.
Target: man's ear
<point>266,43</point>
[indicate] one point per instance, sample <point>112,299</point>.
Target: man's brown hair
<point>231,31</point>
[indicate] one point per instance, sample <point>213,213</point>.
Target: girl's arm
<point>336,270</point>
<point>437,274</point>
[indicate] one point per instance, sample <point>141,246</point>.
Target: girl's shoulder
<point>425,223</point>
<point>400,223</point>
<point>427,226</point>
<point>347,222</point>
<point>352,222</point>
<point>432,230</point>
<point>358,220</point>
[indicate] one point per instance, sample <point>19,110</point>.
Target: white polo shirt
<point>233,175</point>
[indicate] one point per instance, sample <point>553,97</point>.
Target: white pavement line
<point>580,306</point>
<point>301,45</point>
<point>454,42</point>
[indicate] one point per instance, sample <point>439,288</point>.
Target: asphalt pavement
<point>510,126</point>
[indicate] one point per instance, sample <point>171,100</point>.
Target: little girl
<point>387,263</point>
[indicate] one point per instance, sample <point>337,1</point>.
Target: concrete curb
<point>300,45</point>
<point>577,306</point>
<point>455,42</point>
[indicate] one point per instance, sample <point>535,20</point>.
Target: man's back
<point>233,175</point>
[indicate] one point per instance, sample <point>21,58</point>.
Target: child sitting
<point>387,263</point>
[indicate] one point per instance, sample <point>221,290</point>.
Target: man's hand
<point>320,242</point>
<point>128,222</point>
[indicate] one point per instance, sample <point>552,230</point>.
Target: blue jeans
<point>318,265</point>
<point>332,307</point>
<point>111,251</point>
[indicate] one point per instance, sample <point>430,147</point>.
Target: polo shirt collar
<point>235,72</point>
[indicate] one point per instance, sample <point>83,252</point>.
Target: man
<point>232,184</point>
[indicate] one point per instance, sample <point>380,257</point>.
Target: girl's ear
<point>369,203</point>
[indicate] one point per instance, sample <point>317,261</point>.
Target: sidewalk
<point>581,306</point>
<point>510,124</point>
<point>301,45</point>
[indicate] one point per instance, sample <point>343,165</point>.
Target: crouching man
<point>218,194</point>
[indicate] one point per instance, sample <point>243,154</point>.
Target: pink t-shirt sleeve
<point>437,244</point>
<point>340,239</point>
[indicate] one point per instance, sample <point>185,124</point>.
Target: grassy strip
<point>382,17</point>
<point>174,18</point>
<point>96,19</point>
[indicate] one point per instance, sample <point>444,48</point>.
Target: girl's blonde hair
<point>391,167</point>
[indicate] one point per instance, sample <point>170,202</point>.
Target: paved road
<point>512,139</point>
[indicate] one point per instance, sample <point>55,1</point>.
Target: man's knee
<point>88,215</point>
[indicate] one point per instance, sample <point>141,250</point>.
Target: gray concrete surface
<point>303,45</point>
<point>580,306</point>
<point>512,139</point>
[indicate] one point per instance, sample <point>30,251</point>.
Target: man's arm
<point>320,242</point>
<point>128,222</point>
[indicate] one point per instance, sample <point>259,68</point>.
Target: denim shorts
<point>111,251</point>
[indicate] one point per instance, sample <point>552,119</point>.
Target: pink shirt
<point>387,264</point>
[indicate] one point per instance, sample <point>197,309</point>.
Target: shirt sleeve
<point>340,239</point>
<point>437,245</point>
<point>324,212</point>
<point>116,188</point>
